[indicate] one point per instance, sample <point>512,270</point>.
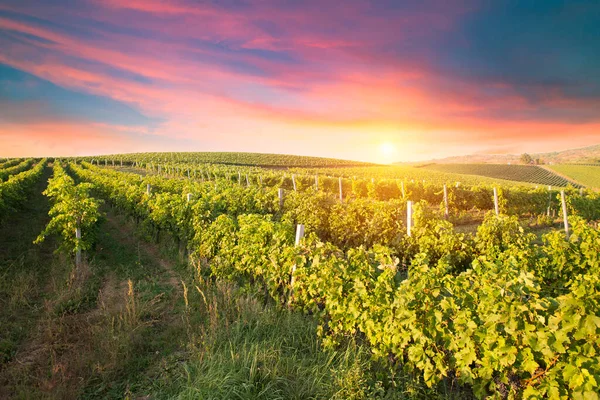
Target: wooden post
<point>317,183</point>
<point>188,173</point>
<point>549,200</point>
<point>581,191</point>
<point>113,162</point>
<point>121,162</point>
<point>341,192</point>
<point>294,182</point>
<point>247,180</point>
<point>260,180</point>
<point>189,197</point>
<point>496,208</point>
<point>564,209</point>
<point>78,250</point>
<point>280,194</point>
<point>148,189</point>
<point>239,177</point>
<point>299,236</point>
<point>445,201</point>
<point>299,233</point>
<point>457,184</point>
<point>105,162</point>
<point>409,218</point>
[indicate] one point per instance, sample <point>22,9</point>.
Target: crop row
<point>496,311</point>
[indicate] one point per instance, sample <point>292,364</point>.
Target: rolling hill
<point>585,155</point>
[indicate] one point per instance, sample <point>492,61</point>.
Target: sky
<point>377,80</point>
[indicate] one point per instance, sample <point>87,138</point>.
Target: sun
<point>387,149</point>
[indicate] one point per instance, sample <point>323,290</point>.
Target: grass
<point>241,349</point>
<point>587,175</point>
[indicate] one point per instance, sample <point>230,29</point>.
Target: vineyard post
<point>408,217</point>
<point>299,233</point>
<point>189,197</point>
<point>581,191</point>
<point>294,181</point>
<point>457,184</point>
<point>78,248</point>
<point>105,162</point>
<point>148,188</point>
<point>247,180</point>
<point>564,210</point>
<point>445,199</point>
<point>113,162</point>
<point>373,181</point>
<point>299,236</point>
<point>341,192</point>
<point>121,162</point>
<point>280,194</point>
<point>260,179</point>
<point>188,173</point>
<point>549,200</point>
<point>496,208</point>
<point>239,178</point>
<point>317,182</point>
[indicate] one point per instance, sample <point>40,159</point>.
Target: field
<point>520,173</point>
<point>587,175</point>
<point>244,159</point>
<point>155,276</point>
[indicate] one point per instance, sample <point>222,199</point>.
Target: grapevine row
<point>14,191</point>
<point>75,214</point>
<point>495,311</point>
<point>15,169</point>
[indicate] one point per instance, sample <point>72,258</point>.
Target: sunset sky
<point>367,80</point>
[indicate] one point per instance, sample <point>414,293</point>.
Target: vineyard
<point>371,259</point>
<point>588,175</point>
<point>521,173</point>
<point>247,159</point>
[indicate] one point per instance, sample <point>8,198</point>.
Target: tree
<point>526,158</point>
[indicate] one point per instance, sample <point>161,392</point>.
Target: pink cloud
<point>210,71</point>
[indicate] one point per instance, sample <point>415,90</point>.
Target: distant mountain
<point>590,154</point>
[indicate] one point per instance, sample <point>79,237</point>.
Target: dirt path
<point>129,238</point>
<point>106,327</point>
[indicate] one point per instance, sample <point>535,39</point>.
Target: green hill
<point>588,175</point>
<point>521,173</point>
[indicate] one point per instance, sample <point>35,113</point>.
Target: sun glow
<point>388,151</point>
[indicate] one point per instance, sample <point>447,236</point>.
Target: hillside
<point>585,174</point>
<point>521,173</point>
<point>590,154</point>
